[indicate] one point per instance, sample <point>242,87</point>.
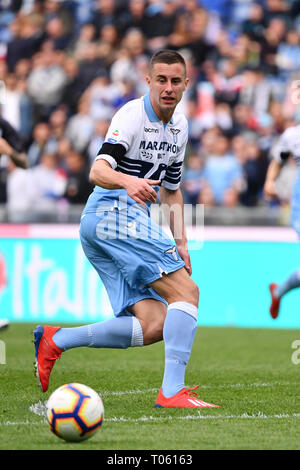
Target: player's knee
<point>195,293</point>
<point>189,292</point>
<point>154,331</point>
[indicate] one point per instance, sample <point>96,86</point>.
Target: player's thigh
<point>177,287</point>
<point>121,294</point>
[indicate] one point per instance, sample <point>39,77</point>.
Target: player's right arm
<point>118,140</point>
<point>139,189</point>
<point>19,158</point>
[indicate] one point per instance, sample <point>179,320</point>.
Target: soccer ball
<point>75,412</point>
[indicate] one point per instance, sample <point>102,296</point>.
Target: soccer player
<point>288,145</point>
<point>147,276</point>
<point>11,145</point>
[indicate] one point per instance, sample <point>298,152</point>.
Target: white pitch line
<point>153,419</point>
<point>202,387</point>
<point>39,408</point>
<point>260,415</point>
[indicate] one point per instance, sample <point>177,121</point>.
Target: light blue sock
<point>179,332</point>
<point>118,332</point>
<point>292,282</point>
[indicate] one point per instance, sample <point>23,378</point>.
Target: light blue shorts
<point>129,251</point>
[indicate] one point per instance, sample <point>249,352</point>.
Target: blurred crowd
<point>67,66</point>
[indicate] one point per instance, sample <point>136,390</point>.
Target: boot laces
<point>190,391</point>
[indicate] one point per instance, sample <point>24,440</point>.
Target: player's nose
<point>169,87</point>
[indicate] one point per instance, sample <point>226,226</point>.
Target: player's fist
<point>141,190</point>
<point>153,182</point>
<point>5,148</point>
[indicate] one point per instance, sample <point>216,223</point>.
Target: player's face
<point>167,82</point>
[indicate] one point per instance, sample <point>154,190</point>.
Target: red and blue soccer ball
<point>75,412</point>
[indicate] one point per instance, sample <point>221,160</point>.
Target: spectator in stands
<point>87,35</point>
<point>192,179</point>
<point>48,182</point>
<point>198,44</point>
<point>46,82</point>
<point>243,60</point>
<point>27,37</point>
<point>222,176</point>
<point>79,129</point>
<point>58,123</point>
<point>19,203</point>
<point>270,42</point>
<point>42,143</point>
<point>11,106</point>
<point>288,54</point>
<point>254,26</point>
<point>161,25</point>
<point>57,33</point>
<point>78,187</point>
<point>255,165</point>
<point>56,9</point>
<point>228,82</point>
<point>136,17</point>
<point>91,66</point>
<point>99,133</point>
<point>101,95</point>
<point>107,12</point>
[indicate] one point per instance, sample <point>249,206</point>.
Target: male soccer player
<point>12,146</point>
<point>146,275</point>
<point>288,145</point>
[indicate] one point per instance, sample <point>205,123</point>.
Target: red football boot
<point>46,353</point>
<point>186,398</point>
<point>274,307</point>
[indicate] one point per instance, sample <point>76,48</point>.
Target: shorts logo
<point>172,251</point>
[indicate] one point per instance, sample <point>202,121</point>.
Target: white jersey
<point>288,144</point>
<point>153,149</point>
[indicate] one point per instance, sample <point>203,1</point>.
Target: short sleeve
<point>282,148</point>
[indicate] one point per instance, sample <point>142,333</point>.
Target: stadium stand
<point>67,66</point>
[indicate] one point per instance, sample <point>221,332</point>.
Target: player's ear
<point>186,82</point>
<point>148,80</point>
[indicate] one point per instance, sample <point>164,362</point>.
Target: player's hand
<point>183,252</point>
<point>270,189</point>
<point>141,190</point>
<point>5,148</point>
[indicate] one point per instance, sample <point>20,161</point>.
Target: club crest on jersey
<point>175,132</point>
<point>172,251</point>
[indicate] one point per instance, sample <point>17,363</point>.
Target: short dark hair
<point>167,56</point>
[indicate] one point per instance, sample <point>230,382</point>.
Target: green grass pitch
<point>248,372</point>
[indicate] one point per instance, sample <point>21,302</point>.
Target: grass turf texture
<point>248,372</point>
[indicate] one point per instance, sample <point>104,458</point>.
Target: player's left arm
<point>271,177</point>
<point>172,204</point>
<point>280,154</point>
